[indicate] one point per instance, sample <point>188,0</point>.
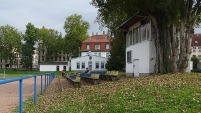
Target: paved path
<point>9,93</point>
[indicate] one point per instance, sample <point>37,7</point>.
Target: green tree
<point>50,42</point>
<point>195,62</point>
<point>173,20</point>
<point>10,44</point>
<point>76,32</point>
<point>117,57</point>
<point>28,46</point>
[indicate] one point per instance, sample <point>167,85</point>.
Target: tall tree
<point>50,42</point>
<point>173,20</point>
<point>116,60</point>
<point>28,46</point>
<point>76,32</point>
<point>10,44</point>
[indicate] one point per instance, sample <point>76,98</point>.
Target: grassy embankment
<point>169,93</point>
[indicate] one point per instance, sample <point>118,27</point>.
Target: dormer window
<point>107,46</point>
<point>88,46</point>
<point>97,46</point>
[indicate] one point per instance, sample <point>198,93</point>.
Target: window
<point>51,58</point>
<point>97,65</point>
<point>102,65</point>
<point>199,48</point>
<point>107,55</point>
<point>42,58</point>
<point>59,58</point>
<point>107,46</point>
<point>88,46</point>
<point>130,36</point>
<point>55,58</point>
<point>97,46</point>
<point>199,56</point>
<point>83,65</point>
<point>95,54</point>
<point>99,54</point>
<point>129,57</point>
<point>64,58</point>
<point>194,49</point>
<point>78,65</point>
<point>144,33</point>
<point>1,60</point>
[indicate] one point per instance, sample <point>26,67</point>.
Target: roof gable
<point>131,21</point>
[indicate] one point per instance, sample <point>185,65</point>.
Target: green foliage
<point>117,57</point>
<point>195,62</point>
<point>50,42</point>
<point>28,46</point>
<point>76,32</point>
<point>10,43</point>
<point>165,16</point>
<point>156,94</point>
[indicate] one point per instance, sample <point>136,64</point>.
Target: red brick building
<point>98,45</point>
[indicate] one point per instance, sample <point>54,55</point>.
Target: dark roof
<point>196,40</point>
<point>53,63</point>
<point>134,19</point>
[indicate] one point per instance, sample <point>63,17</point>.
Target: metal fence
<point>45,80</point>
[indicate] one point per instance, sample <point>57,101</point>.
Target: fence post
<point>21,95</point>
<point>35,90</point>
<point>41,84</point>
<point>45,81</point>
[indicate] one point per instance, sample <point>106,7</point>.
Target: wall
<point>52,67</point>
<point>140,51</point>
<point>86,60</point>
<point>103,54</point>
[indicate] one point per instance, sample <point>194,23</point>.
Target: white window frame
<point>97,65</point>
<point>88,47</point>
<point>77,65</point>
<point>97,46</point>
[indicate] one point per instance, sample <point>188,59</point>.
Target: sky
<point>48,13</point>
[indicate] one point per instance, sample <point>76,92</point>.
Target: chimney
<point>92,33</point>
<point>96,33</point>
<point>103,32</point>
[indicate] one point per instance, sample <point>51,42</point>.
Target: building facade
<point>140,46</point>
<point>95,52</point>
<point>196,46</point>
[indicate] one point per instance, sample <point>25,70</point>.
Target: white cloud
<point>48,13</point>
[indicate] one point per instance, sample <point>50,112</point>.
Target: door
<point>136,67</point>
<point>90,65</point>
<point>64,67</point>
<point>57,68</point>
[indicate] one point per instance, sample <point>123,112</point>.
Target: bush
<point>195,70</point>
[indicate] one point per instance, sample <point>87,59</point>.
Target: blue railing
<point>48,80</point>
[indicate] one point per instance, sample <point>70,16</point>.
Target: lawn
<point>169,93</point>
<point>17,73</point>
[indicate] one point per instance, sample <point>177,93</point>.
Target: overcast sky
<point>48,13</point>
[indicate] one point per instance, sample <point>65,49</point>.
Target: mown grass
<point>170,93</point>
<point>18,73</point>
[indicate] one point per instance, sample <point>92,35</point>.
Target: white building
<point>92,62</point>
<point>97,47</point>
<point>140,47</point>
